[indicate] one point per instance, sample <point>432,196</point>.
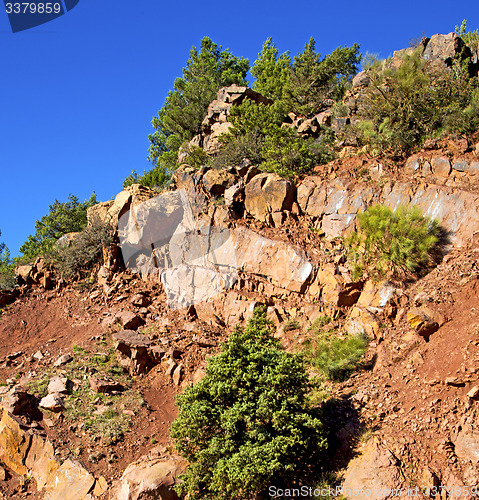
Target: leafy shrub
<point>471,38</point>
<point>235,148</point>
<point>396,242</point>
<point>62,218</point>
<point>248,421</point>
<point>156,177</point>
<point>76,257</point>
<point>288,155</point>
<point>257,134</point>
<point>335,357</point>
<point>402,107</point>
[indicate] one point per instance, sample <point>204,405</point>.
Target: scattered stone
<point>63,360</point>
<point>3,474</point>
<point>129,320</point>
<point>140,300</point>
<point>53,402</point>
<point>16,400</point>
<point>13,356</point>
<point>454,381</point>
<point>474,393</point>
<point>38,356</point>
<point>204,342</point>
<point>422,323</point>
<point>103,386</point>
<point>101,410</point>
<point>133,350</point>
<point>178,375</point>
<point>441,166</point>
<point>59,384</point>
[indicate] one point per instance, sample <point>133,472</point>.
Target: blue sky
<point>78,94</point>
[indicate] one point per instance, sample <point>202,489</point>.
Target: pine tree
<point>206,71</point>
<point>271,72</point>
<point>313,79</point>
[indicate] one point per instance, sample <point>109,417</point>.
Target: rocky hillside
<point>91,368</point>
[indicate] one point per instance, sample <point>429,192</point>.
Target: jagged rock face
<point>336,204</point>
<point>196,261</point>
<point>266,194</point>
<point>445,48</point>
<point>111,211</point>
<point>376,470</point>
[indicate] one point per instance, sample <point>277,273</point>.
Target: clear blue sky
<point>78,94</point>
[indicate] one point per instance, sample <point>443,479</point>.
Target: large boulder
<point>217,181</point>
<point>70,482</point>
<point>150,478</point>
<point>111,211</point>
<point>267,193</point>
<point>41,461</point>
<point>445,48</point>
<point>14,443</point>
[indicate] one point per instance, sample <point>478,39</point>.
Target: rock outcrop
<point>27,453</point>
<point>267,194</point>
<point>216,122</point>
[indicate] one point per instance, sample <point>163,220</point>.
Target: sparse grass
<point>291,324</point>
<point>318,323</point>
<point>82,402</point>
<point>78,350</point>
<point>38,386</point>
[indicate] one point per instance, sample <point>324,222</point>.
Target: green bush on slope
<point>248,421</point>
<point>388,242</point>
<point>62,218</point>
<point>418,100</point>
